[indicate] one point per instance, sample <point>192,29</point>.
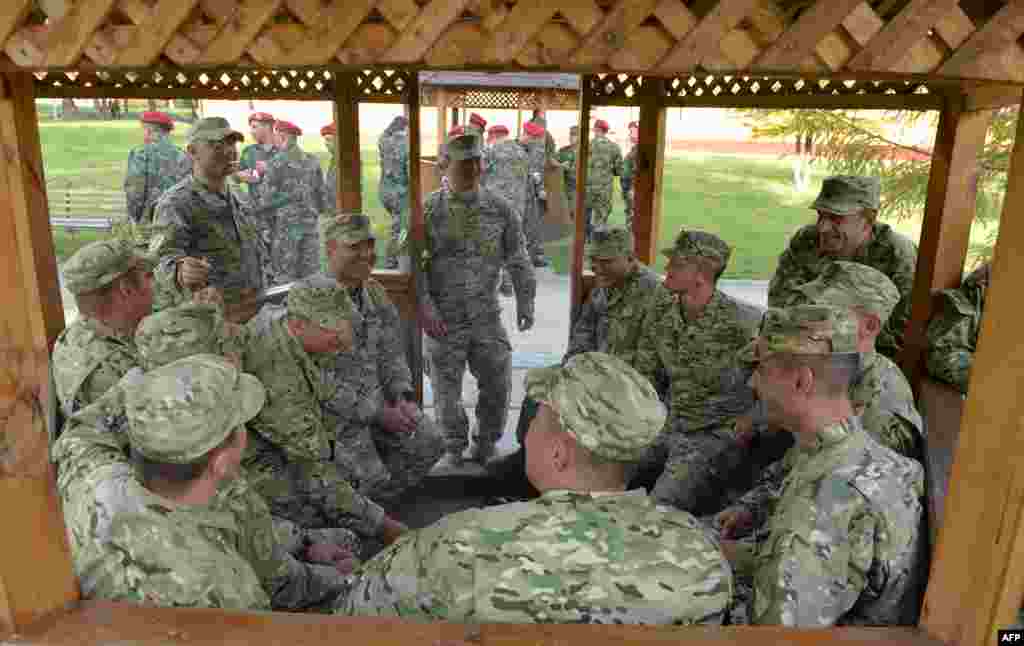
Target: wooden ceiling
<point>878,39</point>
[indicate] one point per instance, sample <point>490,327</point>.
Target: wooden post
<point>36,576</point>
<point>582,160</point>
<point>519,122</point>
<point>949,212</point>
<point>346,145</point>
<point>442,118</point>
<point>417,235</point>
<point>650,166</point>
<point>977,577</point>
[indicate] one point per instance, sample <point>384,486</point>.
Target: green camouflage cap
<point>803,329</point>
<point>326,306</point>
<point>179,332</point>
<point>699,243</point>
<point>610,242</point>
<point>848,194</point>
<point>609,407</point>
<point>464,147</point>
<point>851,284</point>
<point>346,228</point>
<point>99,263</point>
<point>212,129</point>
<point>179,412</point>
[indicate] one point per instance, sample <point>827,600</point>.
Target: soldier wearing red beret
<point>605,164</point>
<point>153,167</point>
<point>476,126</point>
<point>329,133</point>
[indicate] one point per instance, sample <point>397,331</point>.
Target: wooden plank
<point>136,10</point>
<point>238,31</point>
<point>675,17</point>
<point>609,36</point>
<point>801,39</point>
<point>941,407</point>
<point>706,36</point>
<point>738,49</point>
<point>992,96</point>
<point>811,102</point>
<point>975,583</point>
<point>954,28</point>
<point>580,239</point>
<point>862,24</point>
<point>366,43</point>
<point>182,51</point>
<point>900,34</point>
<point>583,16</point>
<point>945,232</point>
<point>221,11</point>
<point>265,50</point>
<point>338,22</point>
<point>921,58</point>
<point>650,172</point>
<point>346,114</point>
<point>307,11</point>
<point>68,37</point>
<point>552,45</point>
<point>833,50</point>
<point>288,36</point>
<point>645,46</point>
<point>424,31</point>
<point>459,46</point>
<point>1000,32</point>
<point>523,22</point>
<point>12,13</point>
<point>26,47</point>
<point>398,12</point>
<point>167,16</point>
<point>417,229</point>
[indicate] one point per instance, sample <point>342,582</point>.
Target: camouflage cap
<point>99,263</point>
<point>851,284</point>
<point>212,129</point>
<point>610,242</point>
<point>803,329</point>
<point>848,194</point>
<point>327,306</point>
<point>699,243</point>
<point>179,332</point>
<point>609,407</point>
<point>464,147</point>
<point>179,412</point>
<point>346,228</point>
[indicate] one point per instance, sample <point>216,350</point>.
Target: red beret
<point>329,130</point>
<point>456,131</point>
<point>497,130</point>
<point>477,120</point>
<point>159,118</point>
<point>287,127</point>
<point>601,124</point>
<point>634,124</point>
<point>261,116</point>
<point>534,129</point>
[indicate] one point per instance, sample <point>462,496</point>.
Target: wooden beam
<point>706,36</point>
<point>800,40</point>
<point>908,27</point>
<point>424,31</point>
<point>650,167</point>
<point>442,118</point>
<point>238,31</point>
<point>417,233</point>
<point>609,36</point>
<point>992,97</point>
<point>1001,31</point>
<point>323,41</point>
<point>398,12</point>
<point>977,579</point>
<point>810,101</point>
<point>68,38</point>
<point>948,214</point>
<point>346,143</point>
<point>155,33</point>
<point>12,13</point>
<point>523,22</point>
<point>580,239</point>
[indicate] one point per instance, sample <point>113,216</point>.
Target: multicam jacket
<point>152,169</point>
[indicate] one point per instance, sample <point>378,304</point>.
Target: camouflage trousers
<point>484,346</point>
<point>397,224</point>
<point>627,198</point>
<point>294,251</point>
<point>600,207</point>
<point>533,218</point>
<point>382,465</point>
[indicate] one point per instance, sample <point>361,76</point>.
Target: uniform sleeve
<point>626,181</point>
<point>517,263</point>
<point>135,185</point>
<point>583,337</point>
<point>760,500</point>
<point>952,339</point>
<point>890,341</point>
<point>396,379</point>
<point>647,361</point>
<point>82,448</point>
<point>425,260</point>
<point>171,241</point>
<point>617,161</point>
<point>104,377</point>
<point>787,275</point>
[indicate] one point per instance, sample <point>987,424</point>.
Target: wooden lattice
<point>768,92</point>
<point>512,99</point>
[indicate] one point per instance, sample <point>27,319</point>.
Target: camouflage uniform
<point>536,197</point>
<point>393,151</point>
<point>381,463</point>
<point>567,157</point>
<point>89,357</point>
<point>292,198</point>
<point>506,172</point>
<point>626,184</point>
<point>467,243</point>
<point>889,252</point>
<point>152,169</point>
<point>570,556</point>
<point>252,154</point>
<point>953,332</point>
<point>697,446</point>
<point>605,163</point>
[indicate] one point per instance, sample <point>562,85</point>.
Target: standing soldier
<point>605,163</point>
<point>328,132</point>
<point>253,162</point>
<point>628,171</point>
<point>536,196</point>
<point>470,234</point>
<point>476,126</point>
<point>393,149</point>
<point>153,167</point>
<point>293,197</point>
<point>567,158</point>
<point>506,174</point>
<point>549,141</point>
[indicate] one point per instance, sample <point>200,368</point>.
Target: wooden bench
<point>941,406</point>
<point>71,202</point>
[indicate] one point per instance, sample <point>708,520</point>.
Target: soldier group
<point>213,455</point>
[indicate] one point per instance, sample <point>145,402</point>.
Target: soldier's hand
<point>346,565</point>
<point>328,553</point>
<point>432,323</point>
<point>193,273</point>
<point>391,530</point>
<point>394,420</point>
<point>525,321</point>
<point>734,521</point>
<point>409,409</point>
<point>744,431</point>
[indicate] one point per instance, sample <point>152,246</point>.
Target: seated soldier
<point>289,458</point>
<point>382,440</point>
<point>844,543</point>
<point>157,539</point>
<point>587,551</point>
<point>112,285</point>
<point>691,333</point>
<point>881,396</point>
<point>953,331</point>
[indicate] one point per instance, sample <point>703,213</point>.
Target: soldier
<point>882,396</point>
<point>476,126</point>
<point>393,150</point>
<point>113,289</point>
<point>628,171</point>
<point>844,544</point>
<point>253,163</point>
<point>153,168</point>
<point>691,333</point>
<point>382,440</point>
<point>329,133</point>
<point>848,229</point>
<point>292,198</point>
<point>605,163</point>
<point>201,234</point>
<point>506,173</point>
<point>536,196</point>
<point>470,234</point>
<point>953,332</point>
<point>540,119</point>
<point>587,551</point>
<point>567,158</point>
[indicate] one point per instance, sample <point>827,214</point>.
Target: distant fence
<point>85,208</point>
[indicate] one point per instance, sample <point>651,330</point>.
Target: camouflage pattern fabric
<point>536,197</point>
<point>567,158</point>
<point>393,152</point>
<point>887,251</point>
<point>152,169</point>
<point>506,172</point>
<point>192,220</point>
<point>88,359</point>
<point>953,334</point>
<point>605,163</point>
<point>247,161</point>
<point>291,200</point>
<point>626,184</point>
<point>564,558</point>
<point>549,142</point>
<point>100,263</point>
<point>467,243</point>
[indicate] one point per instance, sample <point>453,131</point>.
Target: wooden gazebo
<point>961,57</point>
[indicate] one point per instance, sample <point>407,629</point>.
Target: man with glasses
<point>848,229</point>
<point>201,234</point>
